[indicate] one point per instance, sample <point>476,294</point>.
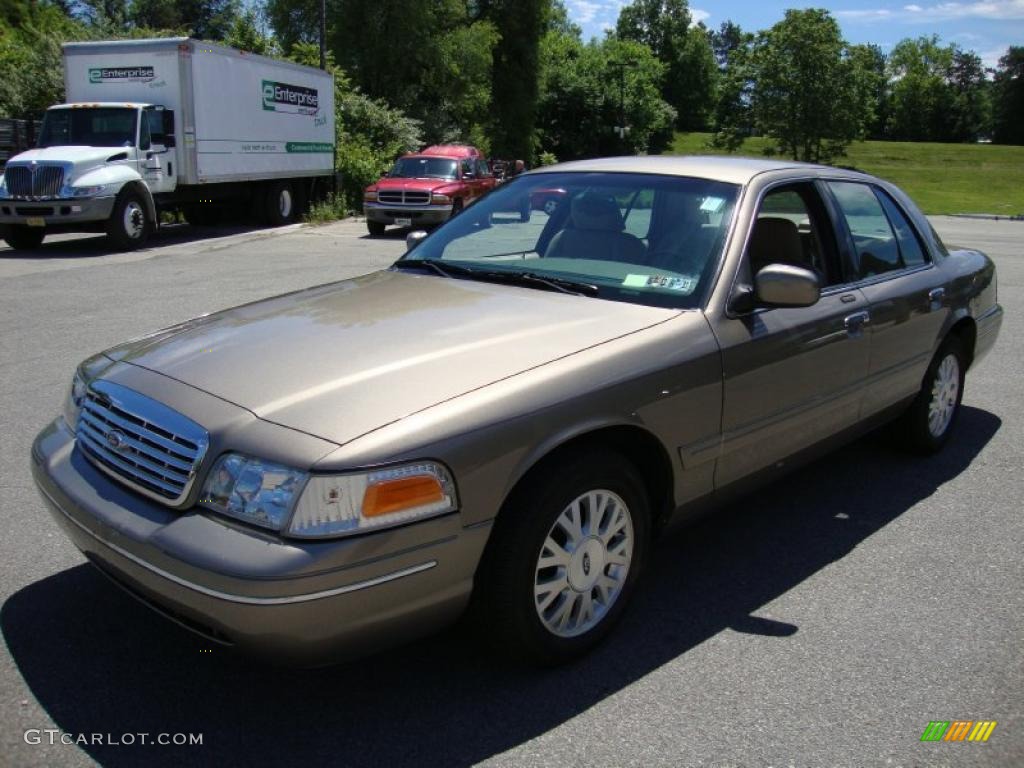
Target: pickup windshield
<point>424,168</point>
<point>89,127</point>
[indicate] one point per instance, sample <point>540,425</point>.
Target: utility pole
<point>621,128</point>
<point>323,32</point>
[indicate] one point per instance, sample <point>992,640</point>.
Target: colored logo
<point>958,730</point>
<point>116,439</point>
<point>291,99</point>
<point>121,74</point>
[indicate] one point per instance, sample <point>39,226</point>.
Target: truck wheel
<point>22,238</point>
<point>280,204</point>
<point>376,228</point>
<point>128,227</point>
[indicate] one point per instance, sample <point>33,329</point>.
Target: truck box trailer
<point>172,123</point>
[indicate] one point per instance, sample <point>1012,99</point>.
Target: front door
<point>156,159</point>
<point>792,376</point>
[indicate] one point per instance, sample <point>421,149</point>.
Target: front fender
<point>108,174</point>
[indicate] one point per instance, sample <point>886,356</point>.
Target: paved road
<point>824,621</point>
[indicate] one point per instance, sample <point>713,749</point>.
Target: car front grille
<point>403,197</point>
<point>30,182</point>
<point>144,444</point>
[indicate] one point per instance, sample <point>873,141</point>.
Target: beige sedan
<point>507,417</point>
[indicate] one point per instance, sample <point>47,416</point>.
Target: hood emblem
<point>117,440</point>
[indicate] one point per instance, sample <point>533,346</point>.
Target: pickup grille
<point>34,182</point>
<point>403,197</point>
<point>144,444</point>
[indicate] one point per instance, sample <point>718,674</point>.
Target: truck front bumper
<point>262,595</point>
<point>55,213</point>
<point>418,215</point>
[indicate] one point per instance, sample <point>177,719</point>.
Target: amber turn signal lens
<point>401,493</point>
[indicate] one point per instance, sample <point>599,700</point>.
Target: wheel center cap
<point>587,564</point>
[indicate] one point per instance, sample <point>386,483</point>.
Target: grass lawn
<point>942,178</point>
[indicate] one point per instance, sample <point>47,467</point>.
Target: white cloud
<point>699,15</point>
<point>1000,10</point>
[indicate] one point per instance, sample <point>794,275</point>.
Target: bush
<point>329,209</point>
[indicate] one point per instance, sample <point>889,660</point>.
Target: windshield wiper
<point>573,287</point>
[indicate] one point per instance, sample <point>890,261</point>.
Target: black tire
<point>916,428</point>
<point>22,238</point>
<point>280,204</point>
<point>375,228</point>
<point>456,207</point>
<point>129,226</point>
<point>505,600</point>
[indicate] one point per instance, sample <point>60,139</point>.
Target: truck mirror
<point>169,141</point>
<point>168,116</point>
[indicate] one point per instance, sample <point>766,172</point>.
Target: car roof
<point>450,150</point>
<point>736,170</point>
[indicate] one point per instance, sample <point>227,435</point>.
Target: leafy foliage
<point>1009,95</point>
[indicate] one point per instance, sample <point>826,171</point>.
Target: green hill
<point>942,178</point>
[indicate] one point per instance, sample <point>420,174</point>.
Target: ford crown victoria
<point>507,417</point>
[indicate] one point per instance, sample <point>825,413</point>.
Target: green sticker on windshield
<point>681,284</point>
<point>635,281</point>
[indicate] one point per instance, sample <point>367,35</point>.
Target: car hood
<point>340,360</point>
<point>420,185</point>
<point>78,156</point>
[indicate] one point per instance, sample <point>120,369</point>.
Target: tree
<point>727,38</point>
<point>247,33</point>
<point>808,94</point>
<point>971,108</point>
<point>921,100</point>
<point>869,65</point>
<point>665,26</point>
<point>733,117</point>
<point>205,19</point>
<point>1009,97</point>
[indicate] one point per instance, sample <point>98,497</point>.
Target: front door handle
<point>856,321</point>
<point>935,297</point>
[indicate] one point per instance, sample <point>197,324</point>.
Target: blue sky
<point>985,27</point>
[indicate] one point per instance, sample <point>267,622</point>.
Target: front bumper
<point>259,592</point>
<point>55,213</point>
<point>420,215</point>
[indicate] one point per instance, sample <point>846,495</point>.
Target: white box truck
<point>173,123</point>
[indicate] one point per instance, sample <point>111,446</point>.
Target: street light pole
<point>621,127</point>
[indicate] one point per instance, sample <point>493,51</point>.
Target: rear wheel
<point>22,238</point>
<point>564,559</point>
<point>376,228</point>
<point>928,423</point>
<point>280,205</point>
<point>129,227</point>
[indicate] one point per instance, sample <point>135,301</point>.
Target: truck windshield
<point>424,168</point>
<point>89,127</point>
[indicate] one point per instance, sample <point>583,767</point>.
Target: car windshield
<point>89,127</point>
<point>641,238</point>
<point>424,168</point>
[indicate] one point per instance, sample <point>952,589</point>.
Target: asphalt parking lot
<point>822,622</point>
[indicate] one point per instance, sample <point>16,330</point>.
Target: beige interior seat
<point>775,240</point>
<point>596,233</point>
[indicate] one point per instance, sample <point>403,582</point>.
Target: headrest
<point>600,212</point>
<point>776,241</point>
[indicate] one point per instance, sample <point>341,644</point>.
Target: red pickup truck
<point>426,188</point>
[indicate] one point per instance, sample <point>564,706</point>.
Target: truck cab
<point>88,155</point>
<point>427,188</point>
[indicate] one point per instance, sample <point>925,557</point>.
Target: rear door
<point>793,376</point>
<point>903,287</point>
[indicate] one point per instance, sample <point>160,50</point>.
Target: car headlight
<point>253,490</point>
<point>370,196</point>
<point>339,505</point>
<point>439,199</point>
<point>73,402</point>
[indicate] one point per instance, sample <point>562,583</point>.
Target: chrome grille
<point>30,182</point>
<point>142,443</point>
<point>403,197</point>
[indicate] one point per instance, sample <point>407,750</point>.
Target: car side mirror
<point>785,285</point>
<point>413,239</point>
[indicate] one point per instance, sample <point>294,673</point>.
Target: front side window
<point>89,127</point>
<point>883,243</point>
<point>792,228</point>
<point>423,168</point>
<point>640,238</point>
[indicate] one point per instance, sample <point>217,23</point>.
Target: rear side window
<point>911,249</point>
<point>883,237</point>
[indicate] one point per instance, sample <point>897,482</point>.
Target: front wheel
<point>928,423</point>
<point>22,238</point>
<point>375,228</point>
<point>129,227</point>
<point>280,204</point>
<point>564,559</point>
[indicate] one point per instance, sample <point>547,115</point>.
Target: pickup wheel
<point>128,227</point>
<point>927,424</point>
<point>564,558</point>
<point>375,228</point>
<point>22,238</point>
<point>280,204</point>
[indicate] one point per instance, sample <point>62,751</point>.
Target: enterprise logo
<point>293,99</point>
<point>121,74</point>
